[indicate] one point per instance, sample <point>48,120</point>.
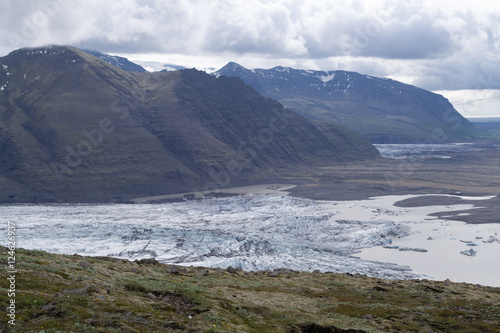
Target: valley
<point>249,166</point>
<point>111,169</point>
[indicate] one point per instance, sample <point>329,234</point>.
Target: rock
<point>172,270</point>
<point>316,271</point>
<point>284,270</point>
<point>231,269</point>
<point>151,296</point>
<point>48,307</point>
<point>239,269</point>
<point>85,264</point>
<point>149,261</point>
<point>78,291</point>
<point>416,249</point>
<point>390,247</point>
<point>310,328</point>
<point>202,273</point>
<point>274,274</point>
<point>471,244</point>
<point>429,238</point>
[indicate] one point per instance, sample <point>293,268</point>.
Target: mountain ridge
<point>379,109</point>
<point>120,62</point>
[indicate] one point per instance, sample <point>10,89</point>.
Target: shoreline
<point>442,239</point>
<point>443,260</point>
<point>263,189</point>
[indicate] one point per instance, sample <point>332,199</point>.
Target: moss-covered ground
<point>64,293</point>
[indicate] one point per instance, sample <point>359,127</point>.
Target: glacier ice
<point>254,233</point>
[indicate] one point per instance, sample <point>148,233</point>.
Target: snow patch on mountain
<point>327,78</point>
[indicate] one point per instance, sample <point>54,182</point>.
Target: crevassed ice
<point>255,233</point>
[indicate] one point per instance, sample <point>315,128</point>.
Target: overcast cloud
<point>438,44</point>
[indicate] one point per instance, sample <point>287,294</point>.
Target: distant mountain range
<point>74,128</point>
<point>120,62</point>
<point>381,110</point>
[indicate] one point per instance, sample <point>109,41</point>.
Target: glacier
<point>254,233</point>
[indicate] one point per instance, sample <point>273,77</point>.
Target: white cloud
<point>474,103</point>
<point>436,44</point>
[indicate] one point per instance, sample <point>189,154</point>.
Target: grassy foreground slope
<point>60,293</point>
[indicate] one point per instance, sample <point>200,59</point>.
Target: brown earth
<point>468,174</point>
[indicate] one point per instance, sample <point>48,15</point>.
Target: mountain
<point>74,128</point>
<point>138,66</point>
<point>381,110</point>
<point>120,62</point>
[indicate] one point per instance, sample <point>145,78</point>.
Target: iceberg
<point>470,252</point>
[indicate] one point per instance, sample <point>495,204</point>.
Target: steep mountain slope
<point>380,110</point>
<point>74,128</point>
<point>120,62</point>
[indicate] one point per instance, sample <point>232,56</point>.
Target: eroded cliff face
<point>74,128</point>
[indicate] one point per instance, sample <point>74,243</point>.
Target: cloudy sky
<point>450,46</point>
